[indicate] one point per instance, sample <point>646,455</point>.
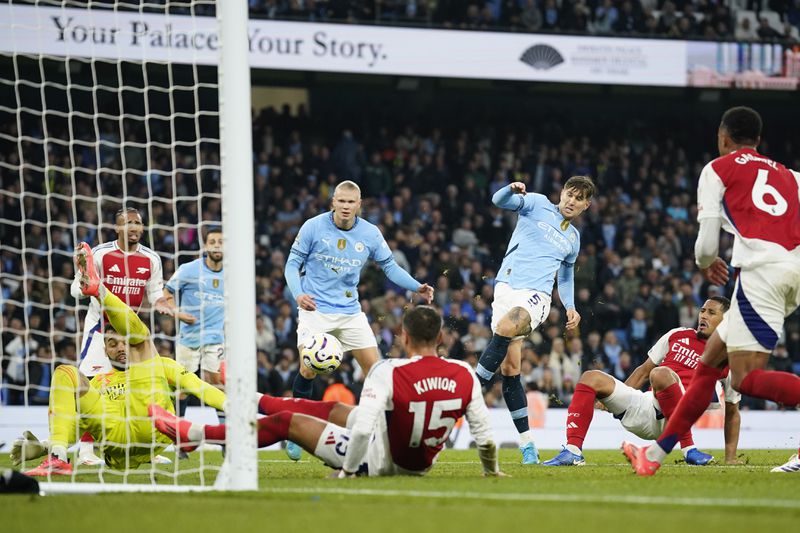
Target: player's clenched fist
<point>518,187</point>
<point>426,291</point>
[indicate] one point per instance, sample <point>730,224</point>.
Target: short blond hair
<point>347,185</point>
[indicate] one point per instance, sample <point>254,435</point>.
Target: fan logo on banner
<point>542,57</point>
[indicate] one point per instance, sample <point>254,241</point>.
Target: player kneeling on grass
<point>407,410</point>
<point>669,368</point>
<point>113,407</point>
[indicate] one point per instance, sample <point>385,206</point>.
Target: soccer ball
<point>321,353</point>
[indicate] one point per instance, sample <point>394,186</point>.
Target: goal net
<point>107,106</point>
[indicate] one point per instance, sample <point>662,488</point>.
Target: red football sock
<point>668,400</point>
<point>580,413</point>
<point>780,387</point>
<point>694,402</point>
<point>271,429</point>
<point>274,428</point>
<point>268,405</point>
<point>215,433</point>
<point>87,437</point>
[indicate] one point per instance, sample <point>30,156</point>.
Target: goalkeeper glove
<point>27,448</point>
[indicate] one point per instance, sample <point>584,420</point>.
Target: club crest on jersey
<point>215,283</point>
<point>341,244</point>
<point>142,270</point>
<point>359,247</point>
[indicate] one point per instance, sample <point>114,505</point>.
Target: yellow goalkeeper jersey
<point>114,410</point>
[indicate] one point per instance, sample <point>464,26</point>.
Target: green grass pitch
<point>602,496</point>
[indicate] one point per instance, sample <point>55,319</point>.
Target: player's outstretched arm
<point>399,276</point>
<point>733,421</point>
<point>641,375</point>
<point>168,301</point>
<point>373,403</point>
<point>181,379</point>
<point>506,198</point>
<point>480,428</point>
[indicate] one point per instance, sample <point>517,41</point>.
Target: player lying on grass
<point>112,406</point>
<point>669,368</point>
<point>408,408</point>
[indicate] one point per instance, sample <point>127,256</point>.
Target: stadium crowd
<point>743,20</point>
<point>680,19</point>
<point>429,189</point>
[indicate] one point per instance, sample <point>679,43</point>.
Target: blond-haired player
<point>330,250</point>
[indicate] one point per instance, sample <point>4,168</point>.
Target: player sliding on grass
<point>112,406</point>
<point>758,201</point>
<point>407,410</point>
<point>669,368</point>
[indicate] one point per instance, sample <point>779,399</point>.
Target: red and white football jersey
<point>129,275</point>
<point>758,200</point>
<point>680,350</point>
<point>407,410</point>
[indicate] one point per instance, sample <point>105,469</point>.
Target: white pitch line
<point>556,498</point>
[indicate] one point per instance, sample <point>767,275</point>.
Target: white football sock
<point>655,453</point>
<point>59,451</point>
<point>574,449</point>
<point>85,448</point>
<point>687,449</point>
<point>196,432</point>
<point>524,438</point>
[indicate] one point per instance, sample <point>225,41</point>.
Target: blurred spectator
<point>624,366</point>
<point>268,379</point>
<point>745,30</point>
<point>766,32</point>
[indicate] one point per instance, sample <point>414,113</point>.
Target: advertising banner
<point>300,46</point>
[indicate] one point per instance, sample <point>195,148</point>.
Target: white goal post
<point>122,103</point>
<point>239,471</point>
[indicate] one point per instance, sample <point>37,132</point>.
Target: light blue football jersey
<point>332,260</point>
<point>539,247</point>
<point>199,291</point>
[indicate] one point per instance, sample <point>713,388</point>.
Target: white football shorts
<point>207,357</point>
<point>639,412</point>
<point>93,352</point>
<point>536,303</point>
<point>332,446</point>
<point>764,296</point>
<point>353,331</point>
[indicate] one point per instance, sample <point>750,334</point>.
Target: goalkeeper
<point>113,406</point>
